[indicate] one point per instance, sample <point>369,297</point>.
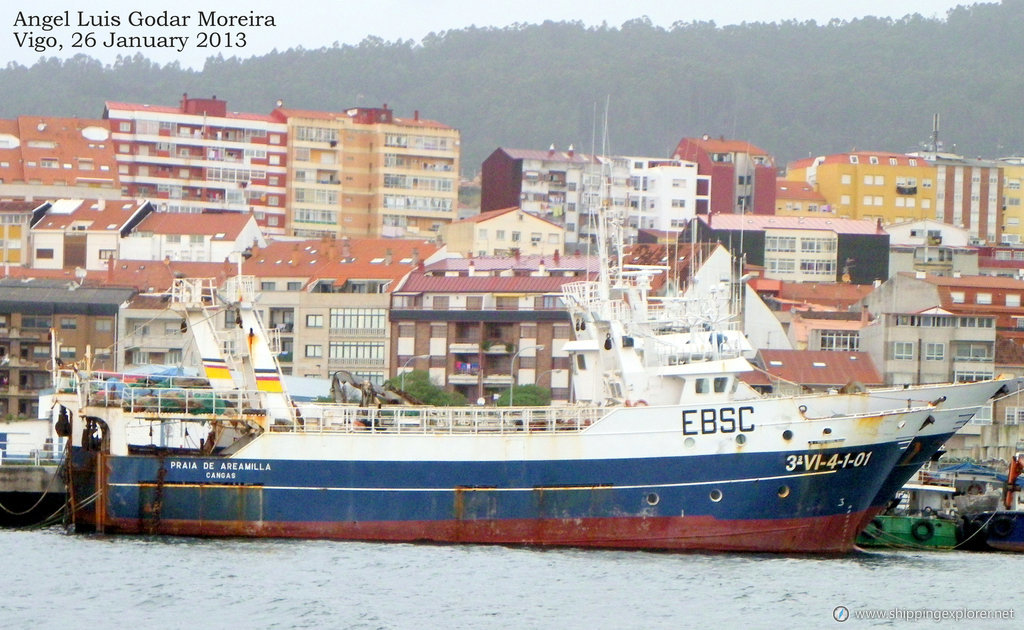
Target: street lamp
<point>406,364</point>
<point>511,390</point>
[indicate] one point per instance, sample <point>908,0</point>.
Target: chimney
<point>572,150</point>
<point>387,256</point>
<point>346,249</point>
<point>556,256</point>
<point>416,256</point>
<point>551,150</point>
<point>865,317</point>
<point>415,114</point>
<point>471,269</point>
<point>110,271</point>
<point>541,268</point>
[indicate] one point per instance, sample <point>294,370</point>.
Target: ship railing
<point>165,399</point>
<point>327,418</point>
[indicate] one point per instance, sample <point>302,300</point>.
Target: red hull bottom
<point>832,534</point>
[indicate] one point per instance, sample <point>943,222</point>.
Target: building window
<point>68,323</point>
<point>104,324</point>
<point>957,297</point>
<point>314,351</point>
<point>840,340</point>
<point>984,298</point>
<point>44,254</point>
<point>407,330</point>
<point>902,350</point>
<point>361,319</point>
<point>934,351</point>
<point>314,321</point>
<point>1013,299</point>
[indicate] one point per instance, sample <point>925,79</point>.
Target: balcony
<point>464,347</point>
<point>498,379</point>
<point>498,347</point>
<point>464,378</point>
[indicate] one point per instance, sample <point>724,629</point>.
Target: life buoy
<point>974,489</point>
<point>1001,526</point>
<point>640,403</point>
<point>922,530</point>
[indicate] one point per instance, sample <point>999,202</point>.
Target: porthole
<point>653,498</point>
<point>827,431</point>
<point>715,495</point>
<point>741,439</point>
<point>787,435</point>
<point>783,492</point>
<point>689,442</point>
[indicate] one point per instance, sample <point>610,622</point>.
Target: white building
<point>663,193</point>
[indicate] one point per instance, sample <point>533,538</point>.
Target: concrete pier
<point>22,489</point>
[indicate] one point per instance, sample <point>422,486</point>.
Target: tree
<point>526,396</point>
<point>418,384</point>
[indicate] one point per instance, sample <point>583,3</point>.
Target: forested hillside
<point>795,88</point>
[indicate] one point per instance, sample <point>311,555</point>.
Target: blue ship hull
<point>810,501</point>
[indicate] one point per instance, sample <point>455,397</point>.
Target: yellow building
<point>871,185</point>
<point>367,172</point>
<point>501,232</point>
<point>15,217</point>
<point>1013,212</point>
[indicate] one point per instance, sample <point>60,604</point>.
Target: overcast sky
<point>317,23</point>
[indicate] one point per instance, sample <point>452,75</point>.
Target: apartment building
<point>503,233</point>
<point>664,194</point>
<point>931,246</point>
<point>871,185</point>
<point>480,325</point>
<point>741,176</point>
<point>46,157</point>
<point>365,172</point>
<point>83,318</point>
<point>969,194</point>
<point>1013,201</point>
<point>200,157</point>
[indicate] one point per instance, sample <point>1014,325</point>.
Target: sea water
<point>49,579</point>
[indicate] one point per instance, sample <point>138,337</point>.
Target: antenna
<point>935,133</point>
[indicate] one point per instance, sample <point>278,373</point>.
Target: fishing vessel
<point>666,450</point>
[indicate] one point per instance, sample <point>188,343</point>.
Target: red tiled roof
<point>80,149</point>
<point>971,282</point>
<point>167,109</point>
<point>99,215</point>
<point>325,259</point>
<point>792,189</point>
<point>420,283</point>
<point>144,275</point>
<point>490,214</point>
<point>230,224</point>
<point>19,206</point>
<point>839,295</point>
<point>525,262</point>
<point>722,145</point>
<point>821,368</point>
